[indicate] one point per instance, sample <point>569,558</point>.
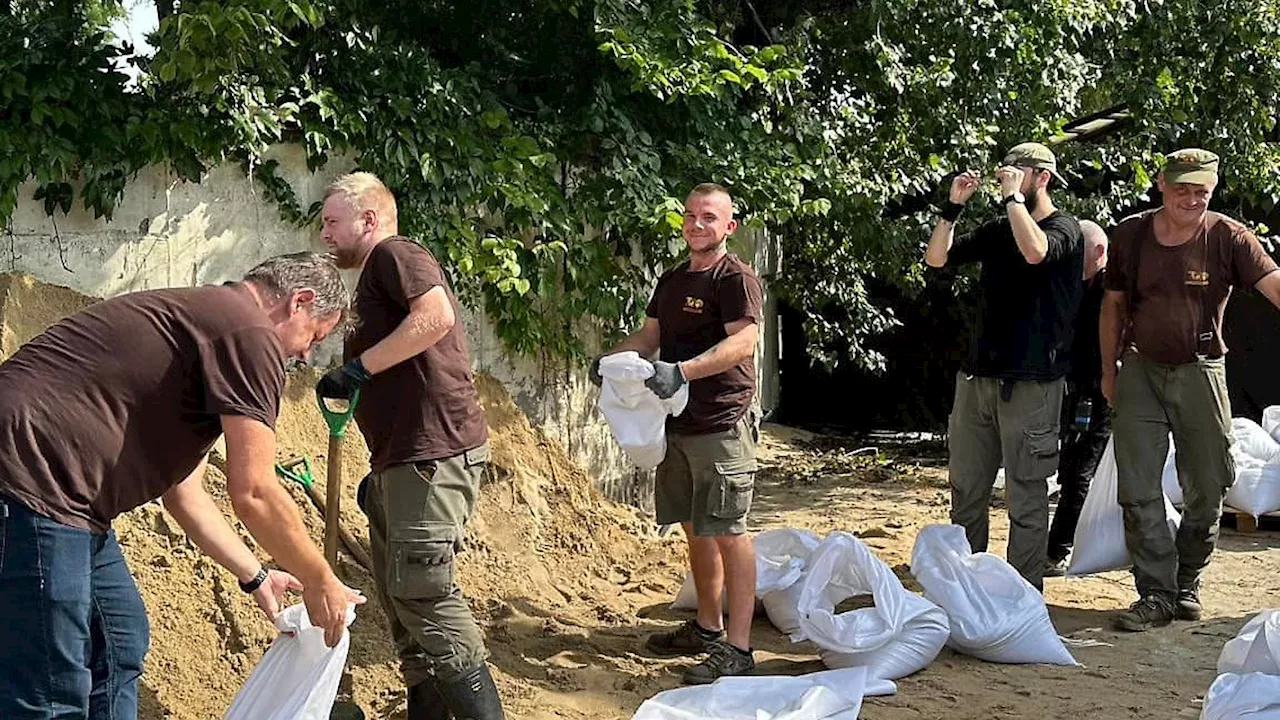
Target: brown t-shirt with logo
<point>692,308</point>
<point>425,408</point>
<point>1173,286</point>
<point>113,406</point>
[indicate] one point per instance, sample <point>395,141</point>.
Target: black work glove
<point>341,383</point>
<point>666,380</point>
<point>596,378</point>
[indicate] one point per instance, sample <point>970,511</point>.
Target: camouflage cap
<point>1034,155</point>
<point>1191,165</point>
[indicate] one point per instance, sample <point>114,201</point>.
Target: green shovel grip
<point>337,421</point>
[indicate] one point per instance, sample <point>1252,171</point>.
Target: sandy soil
<point>567,584</point>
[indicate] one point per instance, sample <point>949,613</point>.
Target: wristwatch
<point>256,582</point>
<point>1016,197</point>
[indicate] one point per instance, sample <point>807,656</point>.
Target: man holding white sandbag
<point>1170,273</point>
<point>704,318</point>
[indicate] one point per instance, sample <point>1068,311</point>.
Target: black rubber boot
<point>472,696</point>
<point>425,702</point>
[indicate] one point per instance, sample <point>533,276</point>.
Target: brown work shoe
<point>688,639</point>
<point>1150,612</point>
<point>724,660</point>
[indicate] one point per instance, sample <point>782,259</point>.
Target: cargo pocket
<point>731,493</point>
<point>421,562</point>
<point>1039,453</point>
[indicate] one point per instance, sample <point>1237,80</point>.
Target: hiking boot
<point>1188,606</point>
<point>1055,568</point>
<point>724,660</point>
<point>688,639</point>
<point>1150,612</point>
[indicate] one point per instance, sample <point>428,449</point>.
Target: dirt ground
<point>568,584</point>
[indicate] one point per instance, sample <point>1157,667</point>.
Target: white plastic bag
<point>901,634</point>
<point>1255,696</point>
<point>781,558</point>
<point>994,613</point>
<point>1253,442</point>
<point>297,678</point>
<point>1256,489</point>
<point>1257,454</point>
<point>1169,481</point>
<point>1256,648</point>
<point>1271,422</point>
<point>1099,540</point>
<point>827,695</point>
<point>635,414</point>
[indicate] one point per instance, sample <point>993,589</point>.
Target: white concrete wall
<point>168,233</point>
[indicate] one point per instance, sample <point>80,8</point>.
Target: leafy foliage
<point>543,147</point>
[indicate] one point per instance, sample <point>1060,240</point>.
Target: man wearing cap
<point>1170,273</point>
<point>1009,389</point>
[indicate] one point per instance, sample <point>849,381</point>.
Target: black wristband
<point>256,582</point>
<point>951,211</point>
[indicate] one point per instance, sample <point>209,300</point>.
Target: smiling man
<point>115,406</point>
<point>1170,273</point>
<point>703,320</point>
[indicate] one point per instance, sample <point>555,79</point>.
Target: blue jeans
<point>73,629</point>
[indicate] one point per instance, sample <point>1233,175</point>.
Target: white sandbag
<point>901,634</point>
<point>637,416</point>
<point>994,613</point>
<point>781,558</point>
<point>1256,648</point>
<point>1257,488</point>
<point>1253,442</point>
<point>687,596</point>
<point>1099,539</point>
<point>297,678</point>
<point>1255,696</point>
<point>1271,422</point>
<point>827,695</point>
<point>1169,480</point>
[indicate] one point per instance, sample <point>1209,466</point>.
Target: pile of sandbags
<point>1257,455</point>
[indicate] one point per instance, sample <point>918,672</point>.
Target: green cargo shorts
<point>708,480</point>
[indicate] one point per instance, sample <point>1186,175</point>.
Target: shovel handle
<point>333,502</point>
<point>337,420</point>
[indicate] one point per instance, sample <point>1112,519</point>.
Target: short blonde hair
<point>366,192</point>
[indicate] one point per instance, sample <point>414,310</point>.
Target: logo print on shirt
<point>693,305</point>
<point>1198,278</point>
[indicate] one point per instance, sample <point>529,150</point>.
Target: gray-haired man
<point>115,406</point>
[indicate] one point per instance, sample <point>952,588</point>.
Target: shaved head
<point>1095,248</point>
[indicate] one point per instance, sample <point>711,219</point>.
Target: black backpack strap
<point>1206,327</point>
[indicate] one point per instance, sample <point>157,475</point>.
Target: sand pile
<point>547,556</point>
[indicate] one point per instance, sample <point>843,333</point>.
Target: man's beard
<point>1033,201</point>
<point>345,259</point>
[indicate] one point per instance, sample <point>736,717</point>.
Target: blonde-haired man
<point>419,413</point>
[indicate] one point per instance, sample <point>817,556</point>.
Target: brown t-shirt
<point>1174,285</point>
<point>113,406</point>
<point>692,308</point>
<point>426,407</point>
